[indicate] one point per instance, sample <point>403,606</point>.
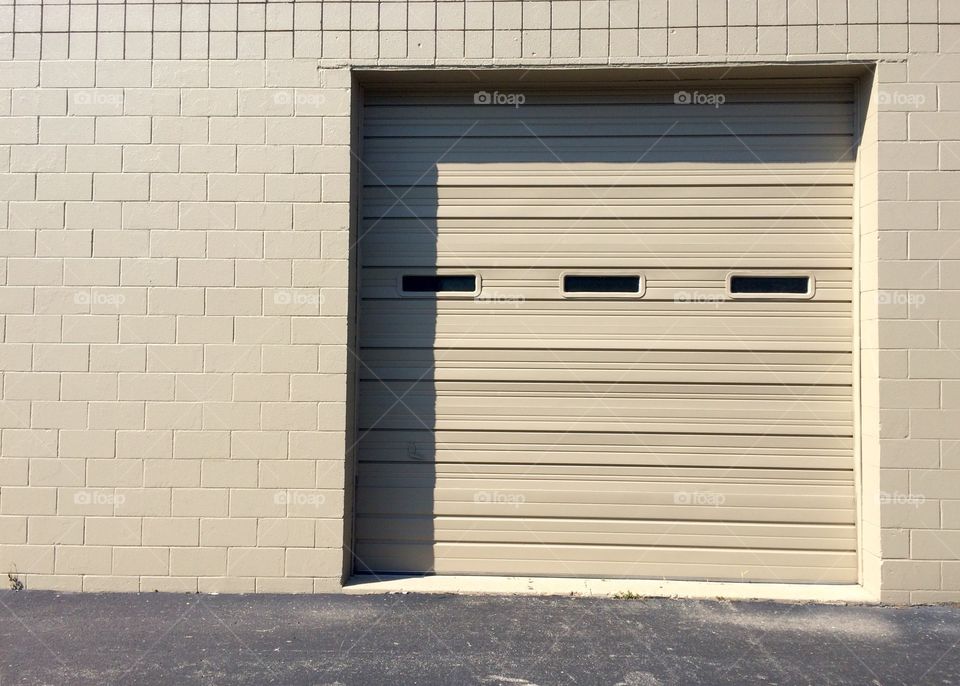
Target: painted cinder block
<point>208,202</point>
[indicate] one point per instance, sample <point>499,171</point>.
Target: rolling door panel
<point>681,434</point>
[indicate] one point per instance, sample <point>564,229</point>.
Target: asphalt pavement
<point>406,639</point>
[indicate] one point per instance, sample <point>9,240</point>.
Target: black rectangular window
<point>439,283</point>
<point>574,283</point>
<point>769,285</point>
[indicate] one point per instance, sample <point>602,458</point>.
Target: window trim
<point>478,286</point>
<point>603,295</point>
<point>811,285</point>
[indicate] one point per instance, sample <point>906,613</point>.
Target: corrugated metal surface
<point>682,434</point>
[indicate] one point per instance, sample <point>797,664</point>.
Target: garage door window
<point>601,285</point>
<point>778,286</point>
<point>429,285</point>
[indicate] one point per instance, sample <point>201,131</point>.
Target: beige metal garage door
<point>686,415</point>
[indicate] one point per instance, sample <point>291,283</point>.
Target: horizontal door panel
<point>410,501</point>
<point>383,472</point>
<point>378,196</point>
<point>694,563</point>
<point>648,251</point>
<point>617,448</point>
<point>581,209</point>
<point>565,531</point>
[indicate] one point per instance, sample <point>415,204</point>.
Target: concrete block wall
<point>174,202</point>
<point>174,241</point>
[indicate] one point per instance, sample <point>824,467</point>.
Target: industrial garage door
<point>608,334</point>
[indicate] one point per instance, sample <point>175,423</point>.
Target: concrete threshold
<point>512,585</point>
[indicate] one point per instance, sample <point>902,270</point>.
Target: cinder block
<point>112,531</point>
<point>142,502</point>
<point>208,158</point>
<point>261,387</point>
<point>287,474</point>
<point>107,186</point>
<point>256,503</point>
<point>231,416</point>
<point>136,271</point>
<point>313,562</point>
<point>138,561</point>
<point>110,584</point>
<point>151,158</point>
<point>229,473</point>
<point>206,272</point>
<point>285,585</point>
<point>54,530</point>
<point>167,472</point>
<point>201,444</point>
<point>169,584</point>
<point>182,73</point>
<point>228,532</point>
<point>235,187</point>
<point>171,531</point>
<point>154,329</point>
<point>265,158</point>
<point>933,545</point>
<point>114,472</point>
<point>237,74</point>
<point>180,130</point>
<point>150,215</point>
<point>177,244</point>
<point>67,74</point>
<point>176,300</point>
<point>204,102</point>
<point>177,187</point>
<point>910,574</point>
<point>85,559</point>
<point>116,415</point>
<point>146,386</point>
<point>198,561</point>
<point>242,562</point>
<point>89,443</point>
<point>199,502</point>
<point>150,101</point>
<point>123,73</point>
<point>28,500</point>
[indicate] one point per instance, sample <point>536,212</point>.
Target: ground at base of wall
<point>435,639</point>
